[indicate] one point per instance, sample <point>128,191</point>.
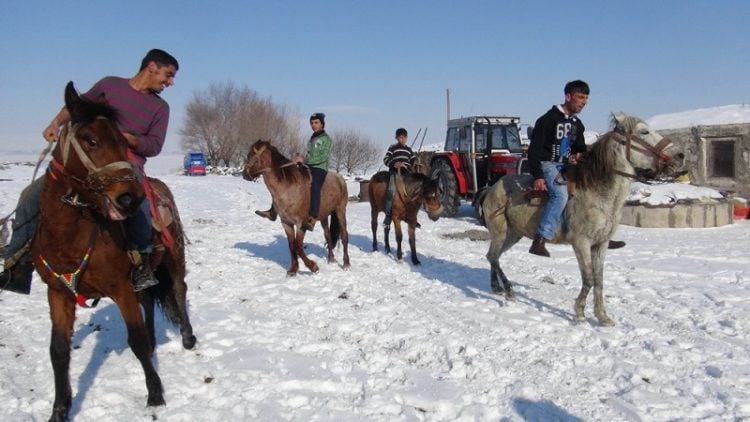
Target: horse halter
<point>96,179</point>
<point>256,157</point>
<point>657,151</point>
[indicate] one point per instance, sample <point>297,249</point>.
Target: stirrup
<point>143,275</point>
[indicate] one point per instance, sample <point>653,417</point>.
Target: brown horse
<point>80,248</point>
<point>290,190</point>
<point>412,191</point>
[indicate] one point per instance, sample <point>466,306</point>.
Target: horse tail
<point>478,205</point>
<point>335,229</point>
<point>163,294</point>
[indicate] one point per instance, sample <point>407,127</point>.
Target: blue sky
<point>375,66</point>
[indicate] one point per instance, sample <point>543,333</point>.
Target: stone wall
<point>696,144</point>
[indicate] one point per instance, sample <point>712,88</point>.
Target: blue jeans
<point>139,228</point>
<point>27,217</point>
<point>558,198</point>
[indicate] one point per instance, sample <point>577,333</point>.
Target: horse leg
<point>501,239</point>
<point>598,253</point>
<point>386,237</point>
<point>493,257</point>
<point>176,270</point>
<point>139,343</point>
<point>62,312</point>
<point>292,242</point>
<point>148,310</point>
<point>413,242</point>
<point>399,238</point>
<point>583,254</point>
<point>299,243</point>
<point>341,215</point>
<point>327,236</point>
<point>374,227</point>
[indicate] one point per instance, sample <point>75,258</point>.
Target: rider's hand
<point>298,158</point>
<point>398,165</point>
<point>52,132</point>
<point>133,141</point>
<point>573,158</point>
<point>539,184</point>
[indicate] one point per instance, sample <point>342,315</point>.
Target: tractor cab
<point>478,151</point>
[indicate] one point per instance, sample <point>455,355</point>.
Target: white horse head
<point>645,149</point>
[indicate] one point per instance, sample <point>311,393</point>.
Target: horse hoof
<point>156,400</point>
<point>291,273</point>
<point>347,266</point>
<point>416,262</point>
<point>606,322</point>
<point>189,342</point>
<point>314,267</point>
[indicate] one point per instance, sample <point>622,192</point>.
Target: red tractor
<point>478,151</point>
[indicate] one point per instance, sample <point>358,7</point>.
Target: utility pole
<point>448,103</point>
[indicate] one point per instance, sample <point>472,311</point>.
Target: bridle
<point>256,157</point>
<point>636,143</point>
<point>97,179</point>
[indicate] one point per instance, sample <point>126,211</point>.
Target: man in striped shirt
<point>143,119</point>
<point>399,157</point>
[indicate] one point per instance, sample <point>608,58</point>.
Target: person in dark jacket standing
<point>557,141</point>
<point>399,157</point>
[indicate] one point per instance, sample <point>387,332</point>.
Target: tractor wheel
<point>443,172</point>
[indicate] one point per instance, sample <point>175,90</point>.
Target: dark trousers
<point>318,178</point>
<point>389,192</point>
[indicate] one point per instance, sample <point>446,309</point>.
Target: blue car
<point>195,164</point>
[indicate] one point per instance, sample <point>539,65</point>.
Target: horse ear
<point>71,97</point>
<point>617,118</point>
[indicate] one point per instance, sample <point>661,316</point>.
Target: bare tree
<point>223,121</point>
<point>352,151</point>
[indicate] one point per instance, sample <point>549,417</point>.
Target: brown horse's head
<point>264,157</point>
<point>92,157</point>
<point>431,194</point>
<point>257,162</point>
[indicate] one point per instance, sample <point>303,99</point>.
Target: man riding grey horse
<point>557,142</point>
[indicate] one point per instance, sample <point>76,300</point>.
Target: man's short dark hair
<point>161,58</point>
<point>401,131</point>
<point>577,86</point>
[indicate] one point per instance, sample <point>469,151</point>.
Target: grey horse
<point>598,185</point>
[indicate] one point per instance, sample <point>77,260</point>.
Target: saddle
<point>537,198</point>
<point>163,211</point>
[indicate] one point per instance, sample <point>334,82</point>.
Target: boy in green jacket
<point>317,157</point>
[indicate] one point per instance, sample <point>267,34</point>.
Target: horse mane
<point>289,173</point>
<point>86,111</point>
<point>598,165</point>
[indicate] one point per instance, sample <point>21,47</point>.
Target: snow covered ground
<point>389,341</point>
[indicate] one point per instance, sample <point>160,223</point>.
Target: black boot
<point>270,214</point>
<point>537,246</point>
<point>143,276</point>
<point>17,278</point>
<point>309,224</point>
<point>615,244</point>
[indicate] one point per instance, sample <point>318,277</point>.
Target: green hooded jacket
<point>318,151</point>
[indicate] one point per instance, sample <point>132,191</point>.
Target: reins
<point>4,220</point>
<point>256,157</point>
